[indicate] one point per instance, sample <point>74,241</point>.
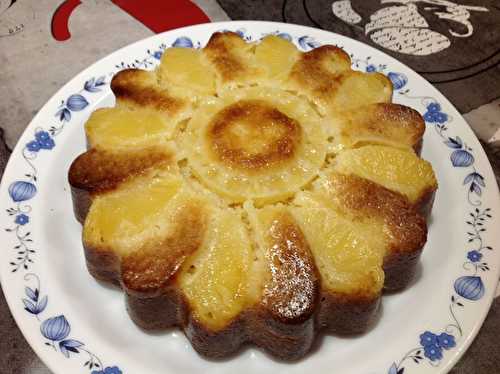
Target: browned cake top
<point>292,292</point>
<point>100,171</point>
<point>252,134</point>
<point>140,88</point>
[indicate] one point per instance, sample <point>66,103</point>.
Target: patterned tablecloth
<point>455,44</point>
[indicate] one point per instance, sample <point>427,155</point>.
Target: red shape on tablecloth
<point>157,15</point>
<point>59,26</point>
<point>161,15</point>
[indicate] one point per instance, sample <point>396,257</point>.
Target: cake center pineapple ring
<point>250,134</point>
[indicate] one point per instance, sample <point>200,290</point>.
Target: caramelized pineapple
<point>215,280</point>
<point>399,170</point>
<point>277,56</point>
<point>250,192</point>
<point>233,60</point>
<point>387,124</point>
<point>187,70</point>
<point>135,213</point>
<point>348,253</point>
<point>255,144</point>
<point>324,75</point>
<point>121,128</point>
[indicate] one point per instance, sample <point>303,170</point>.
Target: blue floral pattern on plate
<point>56,330</point>
<point>431,346</point>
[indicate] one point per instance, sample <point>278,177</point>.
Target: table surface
<point>38,55</point>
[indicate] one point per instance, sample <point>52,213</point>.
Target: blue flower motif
<point>47,143</point>
<point>33,146</point>
<point>56,328</point>
<point>474,256</point>
<point>22,191</point>
<point>64,114</point>
<point>461,158</point>
<point>433,352</point>
<point>42,136</point>
<point>35,306</point>
<point>429,117</point>
<point>92,85</point>
<point>76,102</point>
<point>434,107</point>
<point>440,117</point>
<point>446,341</point>
<point>158,55</point>
<point>371,68</point>
<point>70,345</point>
<point>435,117</point>
<point>108,370</point>
<point>469,287</point>
<point>22,219</point>
<point>284,35</point>
<point>428,338</point>
<point>307,42</point>
<point>399,80</point>
<point>183,42</point>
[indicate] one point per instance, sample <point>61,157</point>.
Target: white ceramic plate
<point>77,325</point>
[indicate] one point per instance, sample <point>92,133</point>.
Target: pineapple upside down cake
<point>250,192</point>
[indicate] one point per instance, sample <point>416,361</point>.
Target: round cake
<point>253,193</point>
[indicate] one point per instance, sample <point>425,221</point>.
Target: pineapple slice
<point>260,144</point>
<point>135,213</point>
<point>140,89</point>
<point>348,253</point>
<point>324,75</point>
<point>398,170</point>
<point>356,89</point>
<point>286,280</point>
<point>188,70</point>
<point>233,60</point>
<point>399,225</point>
<point>387,124</point>
<point>277,56</point>
<point>215,279</point>
<point>125,129</point>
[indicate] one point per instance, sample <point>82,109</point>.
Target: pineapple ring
<point>255,144</point>
<point>234,134</point>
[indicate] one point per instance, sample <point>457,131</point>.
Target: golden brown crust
<point>388,122</point>
<point>102,263</point>
<point>98,171</point>
<point>366,199</point>
<point>425,203</point>
<point>151,268</point>
<point>81,200</point>
<point>220,53</point>
<point>159,312</point>
<point>290,295</point>
<point>311,73</point>
<point>260,118</point>
<point>408,229</point>
<point>346,314</point>
<point>140,88</point>
<point>324,75</point>
<point>314,69</point>
<point>285,341</point>
<point>400,269</point>
<point>216,344</point>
